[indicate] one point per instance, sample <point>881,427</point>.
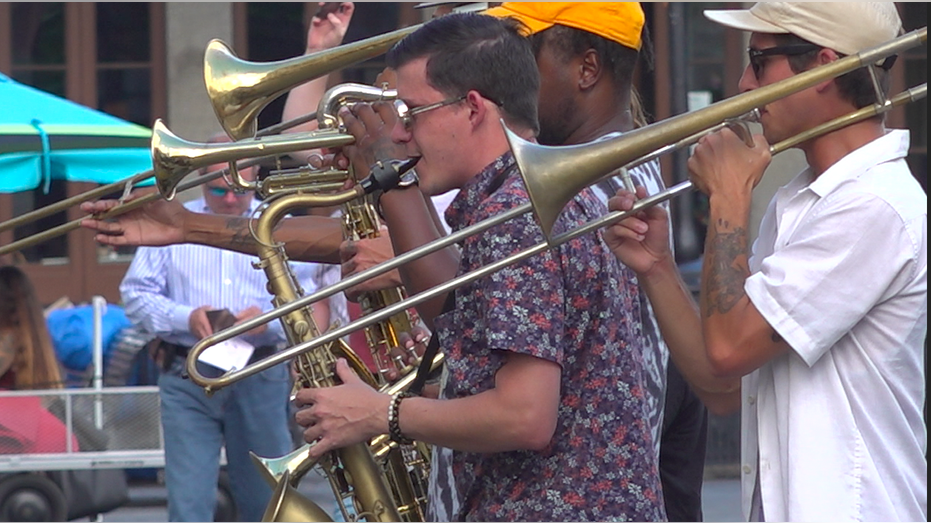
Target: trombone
<point>125,186</point>
<point>596,159</point>
<point>238,90</point>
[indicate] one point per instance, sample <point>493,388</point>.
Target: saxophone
<point>352,470</point>
<point>361,221</point>
<point>410,464</point>
<point>381,481</point>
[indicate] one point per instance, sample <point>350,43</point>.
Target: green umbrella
<point>43,136</point>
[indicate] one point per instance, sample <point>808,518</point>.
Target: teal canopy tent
<point>43,136</point>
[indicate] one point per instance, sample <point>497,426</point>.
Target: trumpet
<point>588,163</point>
<point>328,122</point>
<point>173,158</point>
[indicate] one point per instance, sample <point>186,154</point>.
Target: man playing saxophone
<point>542,413</point>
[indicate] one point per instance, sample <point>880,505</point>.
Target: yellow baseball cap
<point>620,22</point>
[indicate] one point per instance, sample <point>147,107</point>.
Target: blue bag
<point>72,332</point>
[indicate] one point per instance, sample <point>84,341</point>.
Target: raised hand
<point>160,222</point>
<point>371,125</point>
<point>329,25</point>
<point>723,165</point>
<point>411,349</point>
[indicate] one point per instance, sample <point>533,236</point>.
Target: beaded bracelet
<point>394,429</point>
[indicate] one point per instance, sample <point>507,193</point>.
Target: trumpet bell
<point>287,504</point>
<point>168,162</point>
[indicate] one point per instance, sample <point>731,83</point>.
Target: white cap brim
<point>743,20</point>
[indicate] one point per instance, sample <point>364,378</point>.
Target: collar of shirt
<point>890,147</point>
<point>479,188</point>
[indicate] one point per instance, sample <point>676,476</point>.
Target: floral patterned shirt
<point>576,306</point>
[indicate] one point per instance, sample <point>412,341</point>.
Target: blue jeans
<point>251,415</point>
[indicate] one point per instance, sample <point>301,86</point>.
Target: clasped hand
<point>371,126</point>
<point>722,164</point>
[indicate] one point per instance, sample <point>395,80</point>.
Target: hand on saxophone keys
<point>336,417</point>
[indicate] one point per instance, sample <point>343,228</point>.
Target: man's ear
<point>825,56</point>
<point>590,69</point>
<point>478,110</point>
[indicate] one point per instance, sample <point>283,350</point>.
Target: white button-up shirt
<point>834,427</point>
<point>165,284</point>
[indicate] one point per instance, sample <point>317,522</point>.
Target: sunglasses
<point>407,114</point>
<point>221,192</point>
<point>758,56</point>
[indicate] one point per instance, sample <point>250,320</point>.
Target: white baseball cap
<point>846,27</point>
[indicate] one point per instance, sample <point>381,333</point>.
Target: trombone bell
<point>174,157</point>
<point>239,89</point>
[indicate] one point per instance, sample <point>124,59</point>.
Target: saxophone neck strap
<point>423,371</point>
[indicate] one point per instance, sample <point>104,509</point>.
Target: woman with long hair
<point>27,362</point>
<point>27,359</point>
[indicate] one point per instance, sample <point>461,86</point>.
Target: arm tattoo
<point>241,236</point>
<point>727,269</point>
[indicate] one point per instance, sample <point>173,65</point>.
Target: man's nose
<point>400,133</point>
<point>748,81</point>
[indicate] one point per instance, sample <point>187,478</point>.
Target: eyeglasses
<point>221,192</point>
<point>407,114</point>
<point>757,56</point>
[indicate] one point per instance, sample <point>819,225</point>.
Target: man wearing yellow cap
<point>587,53</point>
<point>817,328</point>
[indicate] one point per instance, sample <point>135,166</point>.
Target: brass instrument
<point>406,467</point>
<point>173,158</point>
<point>587,163</point>
<point>352,470</point>
<point>125,186</point>
<point>361,221</point>
<point>370,487</point>
<point>239,90</point>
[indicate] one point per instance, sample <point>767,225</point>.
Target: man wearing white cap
<point>823,320</point>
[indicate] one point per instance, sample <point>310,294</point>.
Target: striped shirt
<point>165,284</point>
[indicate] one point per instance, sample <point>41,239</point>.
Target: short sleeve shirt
<point>573,305</point>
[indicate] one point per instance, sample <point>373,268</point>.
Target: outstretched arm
<point>162,222</point>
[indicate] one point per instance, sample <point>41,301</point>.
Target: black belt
<point>173,350</point>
